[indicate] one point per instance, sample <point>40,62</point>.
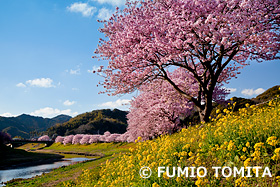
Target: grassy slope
<point>58,176</point>
<point>250,137</point>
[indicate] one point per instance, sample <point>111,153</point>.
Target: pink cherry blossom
<point>85,139</point>
<point>44,138</point>
<point>59,139</point>
<point>68,139</point>
<point>211,39</point>
<point>159,109</point>
<point>77,138</point>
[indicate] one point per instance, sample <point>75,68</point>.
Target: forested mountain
<point>26,125</point>
<point>95,122</point>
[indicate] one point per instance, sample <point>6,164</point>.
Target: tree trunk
<point>204,113</point>
<point>205,110</point>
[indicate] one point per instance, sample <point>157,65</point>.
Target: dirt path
<point>69,152</point>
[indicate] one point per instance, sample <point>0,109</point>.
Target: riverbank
<point>15,158</point>
<point>68,174</point>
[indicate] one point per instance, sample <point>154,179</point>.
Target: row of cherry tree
<point>88,138</point>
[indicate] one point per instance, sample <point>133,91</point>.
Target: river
<point>31,171</point>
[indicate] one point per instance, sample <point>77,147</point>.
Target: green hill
<point>95,122</point>
<point>269,94</point>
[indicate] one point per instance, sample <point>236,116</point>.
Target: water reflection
<point>28,172</point>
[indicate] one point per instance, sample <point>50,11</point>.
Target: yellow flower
<point>247,144</point>
<point>272,141</point>
<point>190,153</point>
<point>231,145</point>
<point>259,145</point>
<point>197,161</point>
<point>277,151</point>
<point>139,138</point>
<point>178,179</point>
<point>243,157</point>
<point>278,177</point>
<point>186,146</point>
<point>165,175</point>
<point>155,185</point>
<point>247,162</point>
<point>244,149</point>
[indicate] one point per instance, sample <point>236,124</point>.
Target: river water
<point>31,171</point>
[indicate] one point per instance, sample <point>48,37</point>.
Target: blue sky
<point>46,66</point>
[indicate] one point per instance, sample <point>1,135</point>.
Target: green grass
<point>32,146</point>
<point>98,149</point>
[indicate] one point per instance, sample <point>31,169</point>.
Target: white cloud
<point>75,89</point>
<point>43,82</point>
<point>49,112</point>
<point>231,90</point>
<point>250,92</point>
<point>112,2</point>
<point>105,14</point>
<point>21,85</point>
<point>84,8</point>
<point>69,103</point>
<point>7,114</point>
<point>75,72</point>
<point>94,69</point>
<point>115,104</point>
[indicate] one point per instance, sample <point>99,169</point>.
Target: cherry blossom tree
<point>4,137</point>
<point>59,139</point>
<point>44,138</point>
<point>77,138</point>
<point>112,138</point>
<point>68,139</point>
<point>123,137</point>
<point>85,139</point>
<point>107,134</point>
<point>94,139</point>
<point>160,109</point>
<point>211,39</point>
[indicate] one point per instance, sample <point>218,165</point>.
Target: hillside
<point>269,94</point>
<point>95,122</point>
<point>26,125</point>
<point>249,137</point>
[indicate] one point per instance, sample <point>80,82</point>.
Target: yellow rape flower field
<point>248,139</point>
